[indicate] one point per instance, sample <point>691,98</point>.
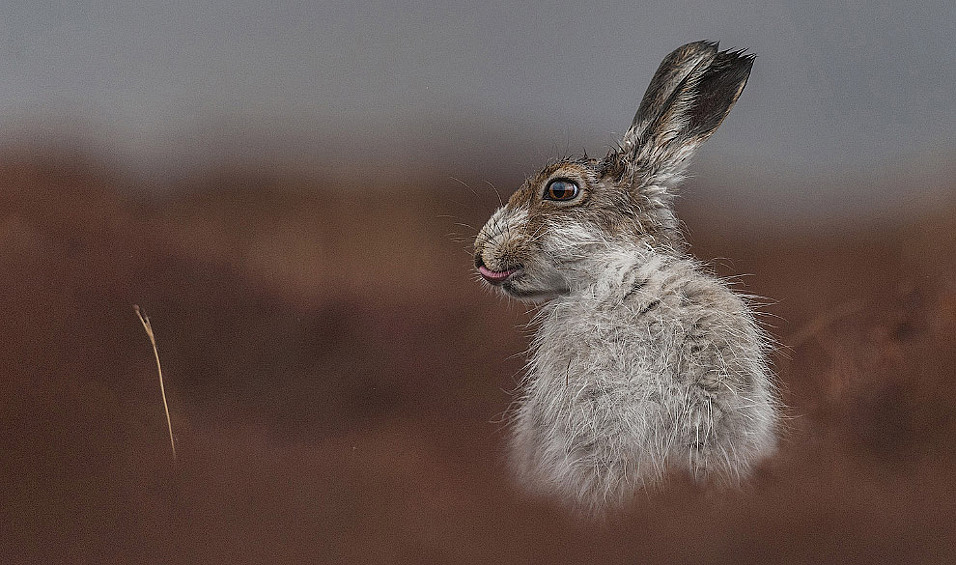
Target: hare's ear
<point>691,93</point>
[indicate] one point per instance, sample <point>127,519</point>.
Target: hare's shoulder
<point>684,307</point>
<point>674,284</point>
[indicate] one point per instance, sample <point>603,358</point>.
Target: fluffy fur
<point>642,361</point>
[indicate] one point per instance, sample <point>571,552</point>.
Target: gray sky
<point>859,89</point>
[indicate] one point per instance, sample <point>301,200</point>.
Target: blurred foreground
<point>337,379</point>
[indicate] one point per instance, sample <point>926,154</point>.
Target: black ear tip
<point>738,55</point>
<point>729,58</point>
<point>738,61</point>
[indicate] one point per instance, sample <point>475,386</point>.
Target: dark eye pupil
<point>561,190</point>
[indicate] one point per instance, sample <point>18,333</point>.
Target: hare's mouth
<point>497,277</point>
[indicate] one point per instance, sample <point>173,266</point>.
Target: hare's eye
<point>561,190</point>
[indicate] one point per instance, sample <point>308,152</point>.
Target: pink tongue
<point>494,276</point>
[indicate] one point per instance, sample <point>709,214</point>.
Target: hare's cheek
<point>568,241</point>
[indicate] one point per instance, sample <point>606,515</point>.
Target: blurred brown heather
<point>335,381</point>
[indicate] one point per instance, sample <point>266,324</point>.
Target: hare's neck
<point>586,324</point>
<point>619,274</point>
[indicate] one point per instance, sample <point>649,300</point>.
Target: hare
<point>642,362</point>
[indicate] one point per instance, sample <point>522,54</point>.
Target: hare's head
<point>550,237</point>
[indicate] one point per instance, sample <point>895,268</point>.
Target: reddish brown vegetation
<point>335,379</point>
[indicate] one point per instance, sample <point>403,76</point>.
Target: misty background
<point>849,110</point>
<point>290,191</point>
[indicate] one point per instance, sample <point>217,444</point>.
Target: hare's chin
<point>515,283</point>
<point>513,288</point>
<point>530,295</point>
<point>509,281</point>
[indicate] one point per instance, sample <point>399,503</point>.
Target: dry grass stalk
<point>159,368</point>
